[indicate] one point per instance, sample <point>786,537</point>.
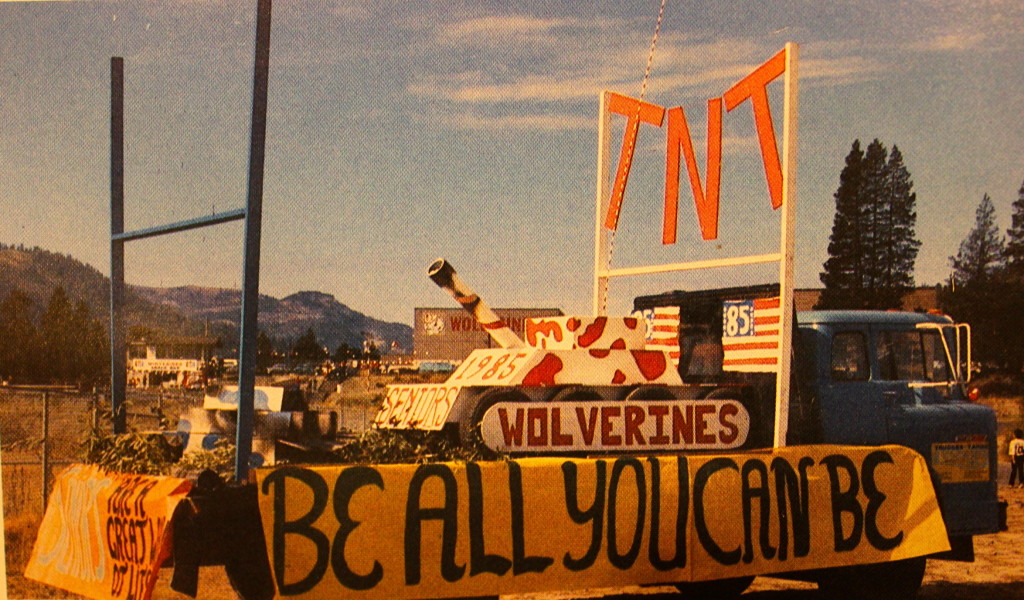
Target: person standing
<point>1017,459</point>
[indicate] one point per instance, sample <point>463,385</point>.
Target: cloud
<point>519,122</point>
<point>493,29</point>
<point>956,42</point>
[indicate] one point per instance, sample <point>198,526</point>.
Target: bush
<point>391,446</point>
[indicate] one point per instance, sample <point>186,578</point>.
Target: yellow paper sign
<point>465,529</point>
<point>104,534</point>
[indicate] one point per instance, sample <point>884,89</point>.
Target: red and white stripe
<point>665,332</point>
<point>760,352</point>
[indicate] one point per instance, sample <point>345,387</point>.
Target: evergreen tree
<point>20,350</point>
<point>978,291</point>
<point>982,252</point>
<point>308,347</point>
<point>1015,238</point>
<point>872,248</point>
<point>264,350</point>
<point>841,275</point>
<point>58,339</point>
<point>899,252</point>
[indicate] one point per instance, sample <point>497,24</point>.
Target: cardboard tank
<point>576,386</point>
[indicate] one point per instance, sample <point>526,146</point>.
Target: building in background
<point>450,334</point>
<point>169,361</point>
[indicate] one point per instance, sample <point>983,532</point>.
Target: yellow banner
<point>104,534</point>
<point>466,529</point>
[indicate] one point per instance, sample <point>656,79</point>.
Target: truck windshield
<point>912,356</point>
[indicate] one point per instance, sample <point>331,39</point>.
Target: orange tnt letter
<point>754,86</point>
<point>706,203</point>
<point>635,111</point>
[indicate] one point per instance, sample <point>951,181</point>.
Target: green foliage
<point>220,460</point>
<point>308,347</point>
<point>985,291</point>
<point>391,446</point>
<point>66,346</point>
<point>982,253</point>
<point>1015,238</point>
<point>872,248</point>
<point>133,452</point>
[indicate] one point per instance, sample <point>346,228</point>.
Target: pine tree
<point>1015,238</point>
<point>58,338</point>
<point>900,250</point>
<point>872,249</point>
<point>978,291</point>
<point>19,352</point>
<point>841,274</point>
<point>982,253</point>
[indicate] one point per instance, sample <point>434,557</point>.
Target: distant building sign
<point>450,334</point>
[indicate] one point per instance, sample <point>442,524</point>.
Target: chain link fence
<point>42,431</point>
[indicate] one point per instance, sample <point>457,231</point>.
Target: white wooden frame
<point>603,271</point>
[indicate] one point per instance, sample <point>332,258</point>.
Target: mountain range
<point>192,310</point>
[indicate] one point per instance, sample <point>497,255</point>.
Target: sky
<point>399,132</point>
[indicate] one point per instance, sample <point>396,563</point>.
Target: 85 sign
<point>738,318</point>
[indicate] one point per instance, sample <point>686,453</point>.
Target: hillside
<point>37,272</point>
<point>192,310</point>
<point>284,319</point>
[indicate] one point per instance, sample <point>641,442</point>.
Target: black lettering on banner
<point>131,536</point>
<point>479,560</point>
<point>682,514</point>
<point>844,502</point>
<point>302,527</point>
<point>594,514</point>
<point>796,501</point>
<point>447,514</point>
<point>761,493</point>
<point>625,561</point>
<point>521,563</point>
<point>349,481</point>
<point>875,500</point>
<point>700,481</point>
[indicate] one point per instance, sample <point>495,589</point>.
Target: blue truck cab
<point>867,378</point>
<point>882,377</point>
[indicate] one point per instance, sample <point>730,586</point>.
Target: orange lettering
<point>635,111</point>
<point>706,203</point>
<point>754,87</point>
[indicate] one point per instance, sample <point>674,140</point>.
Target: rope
<point>633,137</point>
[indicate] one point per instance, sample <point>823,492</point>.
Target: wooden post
<point>787,248</point>
<point>604,125</point>
<point>46,449</point>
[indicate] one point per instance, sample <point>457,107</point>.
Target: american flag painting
<point>750,335</point>
<point>663,331</point>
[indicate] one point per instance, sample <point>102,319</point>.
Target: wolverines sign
<point>465,529</point>
<point>615,426</point>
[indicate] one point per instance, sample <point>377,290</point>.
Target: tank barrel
<point>443,274</point>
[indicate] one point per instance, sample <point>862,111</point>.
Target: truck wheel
<point>897,580</point>
<point>719,589</point>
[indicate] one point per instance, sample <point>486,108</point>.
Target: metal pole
<point>46,449</point>
<point>118,350</point>
<point>253,225</point>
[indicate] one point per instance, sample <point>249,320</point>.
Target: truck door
<point>851,402</point>
<point>916,383</point>
<point>925,411</point>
